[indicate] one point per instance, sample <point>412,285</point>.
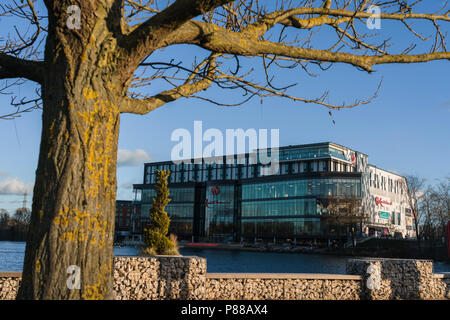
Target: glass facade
<point>176,194</point>
<point>181,217</point>
<point>303,187</point>
<point>148,195</point>
<point>271,208</point>
<point>280,227</point>
<point>287,208</point>
<point>323,158</point>
<point>277,208</point>
<point>310,153</point>
<point>222,201</point>
<point>219,212</point>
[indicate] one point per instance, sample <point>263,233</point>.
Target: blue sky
<point>405,130</point>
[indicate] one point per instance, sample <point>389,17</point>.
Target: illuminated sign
<point>384,215</point>
<point>379,201</point>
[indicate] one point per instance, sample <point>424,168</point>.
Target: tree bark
<point>73,211</point>
<point>74,198</point>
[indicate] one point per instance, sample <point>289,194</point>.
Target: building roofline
<point>308,145</point>
<point>373,166</point>
<point>317,144</point>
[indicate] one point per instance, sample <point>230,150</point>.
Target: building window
<point>234,173</point>
<point>250,171</point>
<point>228,173</point>
<point>267,208</point>
<point>315,166</point>
<point>302,187</point>
<point>219,174</point>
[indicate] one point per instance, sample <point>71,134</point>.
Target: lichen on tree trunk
<point>74,197</point>
<point>72,225</point>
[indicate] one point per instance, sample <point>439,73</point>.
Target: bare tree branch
<point>239,29</point>
<point>146,37</point>
<point>187,89</point>
<point>12,67</point>
<point>217,39</point>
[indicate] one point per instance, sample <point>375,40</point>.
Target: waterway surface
<point>12,254</point>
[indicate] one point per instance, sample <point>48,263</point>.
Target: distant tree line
<point>434,208</point>
<point>430,208</point>
<point>14,228</point>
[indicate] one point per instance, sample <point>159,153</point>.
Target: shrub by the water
<point>155,235</point>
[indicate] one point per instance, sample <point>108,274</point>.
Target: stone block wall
<point>159,278</point>
<point>9,285</point>
<point>169,277</point>
<point>388,279</point>
<point>282,287</point>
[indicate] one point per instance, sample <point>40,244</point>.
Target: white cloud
<point>15,186</point>
<point>132,158</point>
<point>3,174</point>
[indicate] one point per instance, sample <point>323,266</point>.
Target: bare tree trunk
<point>73,208</point>
<point>74,197</point>
<point>416,224</point>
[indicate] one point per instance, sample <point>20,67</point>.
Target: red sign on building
<point>215,190</point>
<point>379,202</point>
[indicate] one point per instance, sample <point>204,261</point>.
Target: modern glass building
<point>241,201</point>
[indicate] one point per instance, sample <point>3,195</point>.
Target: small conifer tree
<point>155,235</point>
